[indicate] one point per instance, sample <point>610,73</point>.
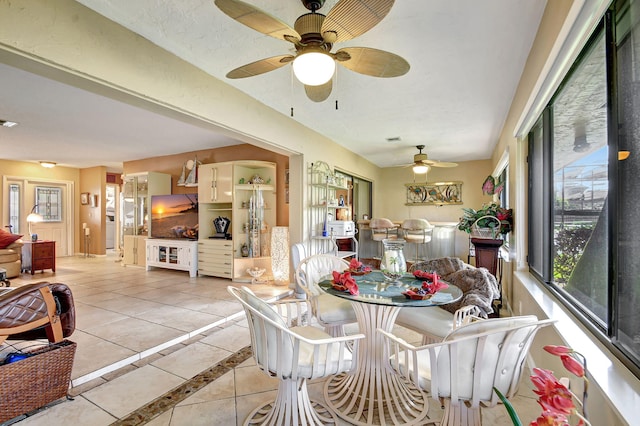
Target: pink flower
<point>347,281</point>
<point>434,287</point>
<point>355,264</point>
<point>554,396</point>
<point>547,418</point>
<point>557,350</point>
<point>571,364</point>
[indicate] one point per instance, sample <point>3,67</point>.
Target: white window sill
<point>616,382</point>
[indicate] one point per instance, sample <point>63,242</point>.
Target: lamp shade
<point>34,217</point>
<point>314,68</point>
<point>421,169</point>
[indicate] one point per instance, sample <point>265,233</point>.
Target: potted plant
<point>492,217</point>
<point>486,225</point>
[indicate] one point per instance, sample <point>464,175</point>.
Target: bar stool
<point>382,228</point>
<point>418,232</point>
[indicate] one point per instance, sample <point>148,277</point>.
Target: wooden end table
<point>38,256</point>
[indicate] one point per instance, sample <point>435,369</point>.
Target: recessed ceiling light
<point>6,123</point>
<point>48,164</point>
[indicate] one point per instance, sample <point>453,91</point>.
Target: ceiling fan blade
<point>260,67</point>
<point>257,19</point>
<point>373,62</point>
<point>444,164</point>
<point>351,18</point>
<point>319,93</point>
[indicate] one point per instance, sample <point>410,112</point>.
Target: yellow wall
<point>93,181</point>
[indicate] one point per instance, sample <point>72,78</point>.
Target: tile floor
<point>160,348</point>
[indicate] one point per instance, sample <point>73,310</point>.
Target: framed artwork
<point>433,193</point>
<point>84,198</point>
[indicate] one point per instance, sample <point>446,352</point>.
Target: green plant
<point>470,216</point>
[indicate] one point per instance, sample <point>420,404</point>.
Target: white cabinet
<point>133,249</point>
<point>215,183</point>
<point>135,211</point>
<point>251,210</point>
<point>215,258</point>
<point>328,199</point>
<point>172,254</point>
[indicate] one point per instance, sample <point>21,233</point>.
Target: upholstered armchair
<point>11,258</point>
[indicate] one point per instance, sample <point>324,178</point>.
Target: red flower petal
<point>557,350</point>
<point>571,364</point>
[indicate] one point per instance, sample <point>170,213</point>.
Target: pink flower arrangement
<point>346,282</point>
<point>556,400</point>
<point>355,266</point>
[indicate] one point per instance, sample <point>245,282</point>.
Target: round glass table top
<point>374,288</point>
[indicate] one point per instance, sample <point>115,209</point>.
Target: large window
<point>583,195</point>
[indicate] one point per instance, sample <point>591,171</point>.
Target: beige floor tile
<point>232,338</point>
<point>127,305</point>
<point>76,412</point>
<point>93,353</point>
<point>127,393</point>
<point>180,318</point>
<point>247,403</point>
<point>163,419</point>
<point>251,380</point>
<point>191,360</point>
<point>88,316</point>
<point>216,413</point>
<point>135,334</point>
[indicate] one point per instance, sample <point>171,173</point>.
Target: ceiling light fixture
<point>421,169</point>
<point>6,123</point>
<point>48,164</point>
<point>314,68</point>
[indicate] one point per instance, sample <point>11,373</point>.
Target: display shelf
<point>172,254</point>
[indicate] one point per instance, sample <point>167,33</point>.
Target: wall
<point>172,164</point>
<point>26,170</point>
<point>94,181</point>
<point>470,173</point>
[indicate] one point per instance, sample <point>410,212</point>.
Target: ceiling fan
<point>422,164</point>
<point>313,38</point>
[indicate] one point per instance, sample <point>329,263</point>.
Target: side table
<point>38,256</point>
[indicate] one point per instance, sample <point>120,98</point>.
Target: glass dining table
<point>373,395</point>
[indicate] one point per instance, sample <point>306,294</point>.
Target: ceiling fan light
<point>314,68</point>
<point>420,169</point>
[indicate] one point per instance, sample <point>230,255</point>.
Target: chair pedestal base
<point>292,407</point>
<point>460,415</point>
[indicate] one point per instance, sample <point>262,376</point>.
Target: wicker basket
<point>486,232</point>
<point>36,381</point>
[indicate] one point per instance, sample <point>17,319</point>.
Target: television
<point>174,216</point>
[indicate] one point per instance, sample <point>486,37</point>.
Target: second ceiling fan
<point>313,37</point>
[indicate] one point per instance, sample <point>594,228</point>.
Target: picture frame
<point>84,198</point>
<point>434,193</point>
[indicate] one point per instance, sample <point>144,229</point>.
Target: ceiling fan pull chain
<point>292,111</point>
<point>336,104</point>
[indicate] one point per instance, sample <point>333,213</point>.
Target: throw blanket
<point>478,286</point>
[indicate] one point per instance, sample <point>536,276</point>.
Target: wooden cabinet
<point>172,254</point>
<point>134,250</point>
<point>215,183</point>
<point>38,256</point>
<point>251,209</point>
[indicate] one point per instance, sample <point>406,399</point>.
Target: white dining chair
<point>287,349</point>
<point>332,312</point>
<point>463,370</point>
<point>298,253</point>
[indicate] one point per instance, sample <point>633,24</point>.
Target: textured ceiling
<point>466,59</point>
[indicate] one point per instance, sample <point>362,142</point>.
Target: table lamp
<point>32,218</point>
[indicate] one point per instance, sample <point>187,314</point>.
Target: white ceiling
<point>466,59</point>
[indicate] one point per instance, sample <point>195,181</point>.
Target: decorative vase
<point>244,250</point>
<point>393,265</point>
